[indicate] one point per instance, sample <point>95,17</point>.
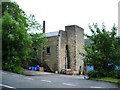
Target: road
<point>12,80</point>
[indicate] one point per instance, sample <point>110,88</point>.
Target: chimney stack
<point>43,26</point>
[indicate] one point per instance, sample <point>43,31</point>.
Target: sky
<point>60,13</point>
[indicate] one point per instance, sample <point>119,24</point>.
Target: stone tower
<point>75,43</point>
<point>63,49</point>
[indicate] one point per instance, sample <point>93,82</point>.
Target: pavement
<point>34,73</point>
<point>48,80</point>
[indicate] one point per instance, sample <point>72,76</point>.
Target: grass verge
<point>107,79</point>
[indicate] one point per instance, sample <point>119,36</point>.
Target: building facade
<point>63,49</point>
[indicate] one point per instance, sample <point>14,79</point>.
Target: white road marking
<point>68,84</point>
<point>6,86</point>
<point>95,87</point>
<point>29,78</point>
<point>79,77</point>
<point>62,75</point>
<point>73,76</point>
<point>66,76</point>
<point>46,80</point>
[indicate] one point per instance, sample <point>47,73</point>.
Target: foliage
<point>13,68</point>
<point>17,14</point>
<point>104,48</point>
<point>16,40</point>
<point>37,45</point>
<point>37,37</point>
<point>115,74</point>
<point>107,79</point>
<point>101,73</point>
<point>33,25</point>
<point>92,74</point>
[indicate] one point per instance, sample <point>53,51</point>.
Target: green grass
<point>107,79</point>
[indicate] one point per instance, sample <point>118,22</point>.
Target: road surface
<point>12,80</point>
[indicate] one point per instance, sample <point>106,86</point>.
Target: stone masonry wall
<point>73,38</point>
<point>75,42</point>
<point>52,58</point>
<point>62,49</point>
<point>79,48</point>
<point>71,42</point>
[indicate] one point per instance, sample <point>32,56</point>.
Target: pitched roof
<point>50,34</point>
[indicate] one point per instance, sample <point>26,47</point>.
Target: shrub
<point>12,68</point>
<point>92,74</point>
<point>103,73</point>
<point>18,70</point>
<point>84,72</point>
<point>100,73</point>
<point>115,74</point>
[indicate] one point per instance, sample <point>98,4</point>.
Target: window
<point>48,50</point>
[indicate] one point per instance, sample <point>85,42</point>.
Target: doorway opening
<point>67,61</point>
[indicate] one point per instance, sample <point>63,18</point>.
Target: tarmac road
<point>12,80</point>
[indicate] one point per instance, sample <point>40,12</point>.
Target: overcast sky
<point>59,13</point>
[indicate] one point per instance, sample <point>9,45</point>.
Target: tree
<point>33,26</point>
<point>17,14</point>
<point>37,45</point>
<point>104,49</point>
<point>16,41</point>
<point>38,38</point>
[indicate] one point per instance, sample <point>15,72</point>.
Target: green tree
<point>33,25</point>
<point>16,41</point>
<point>104,48</point>
<point>37,45</point>
<point>14,10</point>
<point>38,38</point>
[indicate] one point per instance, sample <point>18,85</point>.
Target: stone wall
<point>75,42</point>
<point>79,48</point>
<point>61,50</point>
<point>73,39</point>
<point>51,59</point>
<point>71,42</point>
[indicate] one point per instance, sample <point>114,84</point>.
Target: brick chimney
<point>43,26</point>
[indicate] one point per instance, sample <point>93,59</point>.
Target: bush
<point>92,74</point>
<point>115,74</point>
<point>100,73</point>
<point>84,72</point>
<point>12,68</point>
<point>18,70</point>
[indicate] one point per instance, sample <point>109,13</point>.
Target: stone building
<point>63,48</point>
